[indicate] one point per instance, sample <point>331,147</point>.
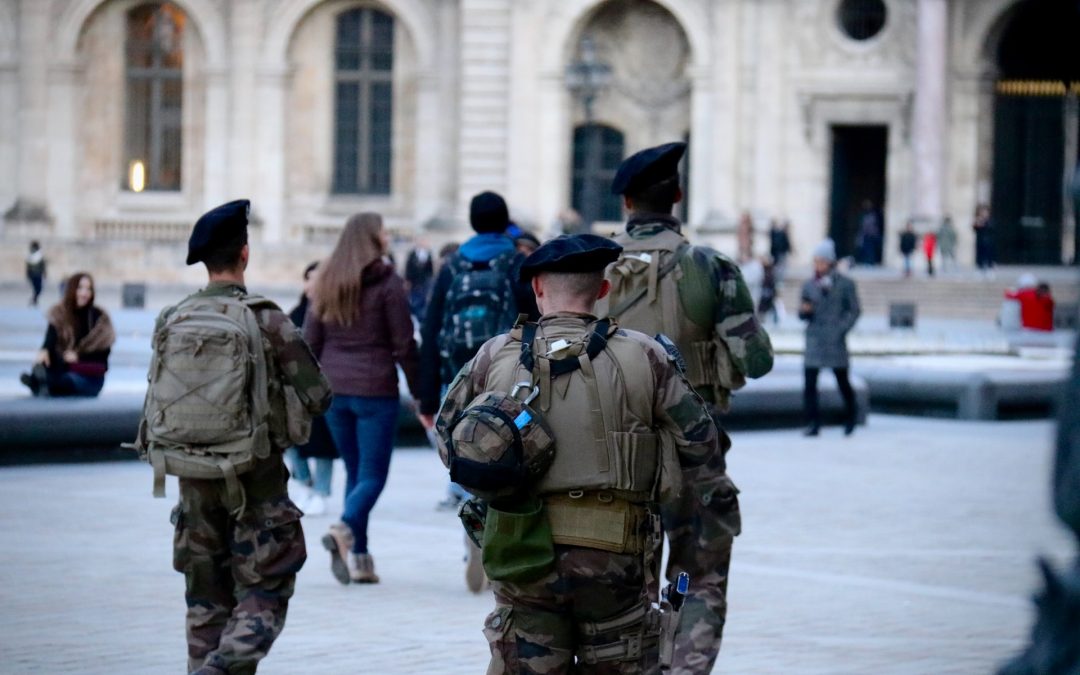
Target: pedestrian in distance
<point>74,357</point>
<point>779,248</point>
<point>870,236</point>
<point>908,241</point>
<point>419,273</point>
<point>929,244</point>
<point>312,487</point>
<point>35,271</point>
<point>231,385</point>
<point>946,242</point>
<point>360,329</point>
<point>984,240</point>
<point>571,543</point>
<point>830,306</point>
<point>699,299</point>
<point>477,295</point>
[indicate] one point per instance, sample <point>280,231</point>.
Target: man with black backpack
<point>476,296</point>
<point>231,385</point>
<point>698,298</point>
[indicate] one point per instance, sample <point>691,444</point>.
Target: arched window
<point>154,97</point>
<point>598,150</point>
<point>363,102</point>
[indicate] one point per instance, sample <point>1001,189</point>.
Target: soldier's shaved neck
<point>569,292</point>
<point>231,275</point>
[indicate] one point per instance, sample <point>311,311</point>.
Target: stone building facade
<point>122,120</point>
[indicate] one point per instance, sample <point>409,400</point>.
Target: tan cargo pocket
<point>727,375</point>
<point>635,461</point>
<point>268,542</point>
<point>499,632</point>
<point>596,520</point>
<point>720,516</point>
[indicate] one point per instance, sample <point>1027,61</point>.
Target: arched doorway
<point>644,100</point>
<point>1036,134</point>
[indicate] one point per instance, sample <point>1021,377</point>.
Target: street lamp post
<point>586,78</point>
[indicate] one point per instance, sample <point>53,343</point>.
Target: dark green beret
<point>226,224</point>
<point>647,168</point>
<point>571,253</point>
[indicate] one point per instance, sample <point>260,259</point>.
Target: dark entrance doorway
<point>857,195</point>
<point>1036,133</point>
<point>598,150</point>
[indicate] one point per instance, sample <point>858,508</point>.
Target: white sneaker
<point>299,494</point>
<point>315,505</point>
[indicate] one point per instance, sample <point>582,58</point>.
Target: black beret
<point>646,168</point>
<point>488,213</point>
<point>571,253</point>
<point>225,224</point>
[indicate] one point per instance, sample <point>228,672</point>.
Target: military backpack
<point>658,290</point>
<point>207,408</point>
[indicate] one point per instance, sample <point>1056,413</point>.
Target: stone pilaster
<point>268,194</point>
<point>930,110</point>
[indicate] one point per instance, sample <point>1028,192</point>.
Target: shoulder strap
<point>596,344</point>
<point>666,269</point>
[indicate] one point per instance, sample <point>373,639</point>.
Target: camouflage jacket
<point>288,358</point>
<point>676,410</point>
<point>734,315</point>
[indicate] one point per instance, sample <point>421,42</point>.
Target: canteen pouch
<point>518,546</point>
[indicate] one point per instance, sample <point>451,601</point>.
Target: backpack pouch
<point>518,545</point>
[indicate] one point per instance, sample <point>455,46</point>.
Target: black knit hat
<point>488,213</point>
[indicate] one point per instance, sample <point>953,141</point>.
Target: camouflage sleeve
<point>679,411</point>
<point>737,323</point>
<point>295,361</point>
<point>467,385</point>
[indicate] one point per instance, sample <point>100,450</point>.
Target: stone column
<point>431,161</point>
<point>62,149</point>
<point>33,142</point>
<point>269,194</point>
<point>701,148</point>
<point>930,110</point>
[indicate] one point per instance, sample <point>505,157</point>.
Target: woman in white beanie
<point>830,307</point>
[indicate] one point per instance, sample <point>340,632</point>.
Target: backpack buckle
<point>535,391</point>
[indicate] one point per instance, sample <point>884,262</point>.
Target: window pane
<point>346,137</point>
<point>382,41</point>
<point>348,40</point>
<point>380,141</point>
<point>597,152</point>
<point>154,97</point>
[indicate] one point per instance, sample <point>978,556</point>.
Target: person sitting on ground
<point>75,355</point>
<point>1036,303</point>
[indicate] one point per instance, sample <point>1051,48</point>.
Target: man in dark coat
<point>830,306</point>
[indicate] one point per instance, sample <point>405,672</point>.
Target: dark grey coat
<point>834,313</point>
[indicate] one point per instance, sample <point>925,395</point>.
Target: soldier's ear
<point>678,195</point>
<point>605,288</point>
<point>628,203</point>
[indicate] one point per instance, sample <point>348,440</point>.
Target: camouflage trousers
<point>240,572</point>
<point>555,626</point>
<point>700,532</point>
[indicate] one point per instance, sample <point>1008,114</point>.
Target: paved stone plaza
<point>906,549</point>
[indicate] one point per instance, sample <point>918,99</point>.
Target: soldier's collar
<point>566,317</point>
<point>639,221</point>
<point>214,285</point>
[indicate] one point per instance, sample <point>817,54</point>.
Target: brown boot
<point>363,569</point>
<point>339,541</point>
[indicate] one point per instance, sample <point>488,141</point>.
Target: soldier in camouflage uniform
<point>713,323</point>
<point>241,571</point>
<point>590,612</point>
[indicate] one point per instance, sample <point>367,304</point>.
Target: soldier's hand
<point>428,421</point>
<point>71,356</point>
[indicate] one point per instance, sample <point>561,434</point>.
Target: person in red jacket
<point>1036,304</point>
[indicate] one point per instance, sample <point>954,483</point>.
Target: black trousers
<point>810,396</point>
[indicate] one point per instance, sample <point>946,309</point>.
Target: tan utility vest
<point>653,291</point>
<point>601,413</point>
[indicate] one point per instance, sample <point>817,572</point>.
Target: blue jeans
<point>363,428</point>
<point>324,471</point>
<point>67,383</point>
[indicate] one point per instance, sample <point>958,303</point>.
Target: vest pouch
<point>518,546</point>
<point>635,462</point>
<point>727,374</point>
<point>596,520</point>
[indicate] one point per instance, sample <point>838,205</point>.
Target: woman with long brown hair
<point>75,355</point>
<point>360,329</point>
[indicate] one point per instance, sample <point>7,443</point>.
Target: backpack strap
<point>656,273</point>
